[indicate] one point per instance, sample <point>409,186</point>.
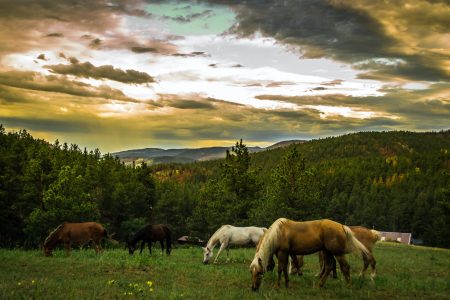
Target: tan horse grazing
<point>368,237</point>
<point>75,233</point>
<point>287,238</point>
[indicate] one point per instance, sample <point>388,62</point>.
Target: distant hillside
<point>186,155</point>
<point>285,144</point>
<point>391,181</point>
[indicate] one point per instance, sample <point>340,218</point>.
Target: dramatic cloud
<point>410,36</point>
<point>37,82</point>
<point>88,70</point>
<point>130,74</point>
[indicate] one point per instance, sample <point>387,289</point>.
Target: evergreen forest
<point>390,181</point>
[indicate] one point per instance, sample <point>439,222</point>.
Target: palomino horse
<point>368,237</point>
<point>151,233</point>
<point>76,233</point>
<point>286,237</point>
<point>228,235</point>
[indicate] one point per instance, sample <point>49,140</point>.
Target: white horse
<point>228,235</point>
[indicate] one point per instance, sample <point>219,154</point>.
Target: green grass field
<point>404,272</point>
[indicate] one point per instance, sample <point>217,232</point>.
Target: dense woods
<point>392,181</point>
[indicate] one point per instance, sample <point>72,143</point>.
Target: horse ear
<point>204,249</point>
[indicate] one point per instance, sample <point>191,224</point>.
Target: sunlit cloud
<point>187,74</point>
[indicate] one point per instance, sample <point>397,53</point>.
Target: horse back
<point>159,232</point>
<point>365,236</point>
<point>312,236</point>
<point>302,237</point>
<point>83,232</point>
<point>243,235</point>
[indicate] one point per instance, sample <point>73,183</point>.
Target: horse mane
<point>52,238</point>
<point>215,237</point>
<point>268,243</point>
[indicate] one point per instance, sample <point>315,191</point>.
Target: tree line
<point>391,181</point>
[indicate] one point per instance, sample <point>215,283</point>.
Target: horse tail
<point>354,245</point>
<point>168,238</point>
<point>268,244</point>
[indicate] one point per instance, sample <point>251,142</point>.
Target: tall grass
<point>404,272</point>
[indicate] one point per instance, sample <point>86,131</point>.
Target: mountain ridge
<point>186,155</point>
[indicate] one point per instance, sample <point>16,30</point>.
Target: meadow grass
<point>404,272</point>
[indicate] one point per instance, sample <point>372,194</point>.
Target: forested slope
<point>393,181</point>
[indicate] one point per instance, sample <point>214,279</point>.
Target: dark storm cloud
<point>46,125</point>
<point>355,31</point>
<point>41,56</point>
<point>24,24</point>
<point>88,70</point>
<point>55,34</point>
<point>37,82</point>
<point>417,109</point>
<point>194,102</point>
<point>190,17</point>
<point>21,20</point>
<point>138,49</point>
<point>187,104</point>
<point>95,43</point>
<point>192,54</point>
<point>10,96</point>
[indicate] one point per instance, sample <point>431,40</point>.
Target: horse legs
<point>282,267</point>
<point>345,268</point>
<point>142,247</point>
<point>322,265</point>
<point>271,264</point>
<point>295,267</point>
<point>162,246</point>
<point>300,264</point>
<point>98,246</point>
<point>366,265</point>
<point>369,261</point>
<point>328,266</point>
<point>373,266</point>
<point>67,247</point>
<point>228,253</point>
<point>223,245</point>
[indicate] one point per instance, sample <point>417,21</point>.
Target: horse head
<point>47,251</point>
<point>207,255</point>
<point>52,240</point>
<point>257,271</point>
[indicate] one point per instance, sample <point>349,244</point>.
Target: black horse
<point>149,234</point>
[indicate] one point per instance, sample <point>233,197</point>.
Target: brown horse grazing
<point>75,233</point>
<point>368,237</point>
<point>289,238</point>
<point>149,234</point>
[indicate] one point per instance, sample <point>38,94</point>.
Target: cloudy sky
<point>120,74</point>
